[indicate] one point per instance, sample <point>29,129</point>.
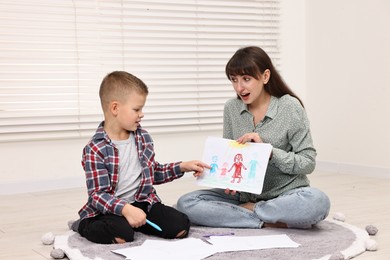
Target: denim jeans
<point>298,208</point>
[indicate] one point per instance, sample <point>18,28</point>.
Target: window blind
<point>54,55</point>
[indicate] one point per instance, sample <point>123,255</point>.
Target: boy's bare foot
<point>119,240</point>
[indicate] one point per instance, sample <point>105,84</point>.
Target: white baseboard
<point>361,170</point>
<point>27,186</point>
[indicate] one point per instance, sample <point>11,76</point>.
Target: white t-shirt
<point>129,169</point>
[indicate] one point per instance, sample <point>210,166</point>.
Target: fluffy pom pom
<point>371,230</point>
<point>70,223</point>
<point>371,245</point>
<point>339,216</point>
<point>337,256</point>
<point>57,253</point>
<point>48,238</point>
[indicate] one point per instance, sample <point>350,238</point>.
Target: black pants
<point>103,229</point>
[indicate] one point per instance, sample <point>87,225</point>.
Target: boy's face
<point>129,112</point>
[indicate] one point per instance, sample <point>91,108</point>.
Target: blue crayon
<point>153,225</point>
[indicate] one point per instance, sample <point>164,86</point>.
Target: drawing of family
<point>238,165</point>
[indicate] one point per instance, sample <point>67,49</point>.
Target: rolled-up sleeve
<point>298,157</point>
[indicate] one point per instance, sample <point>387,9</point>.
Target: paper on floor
<point>239,243</point>
<point>180,248</point>
<point>168,249</point>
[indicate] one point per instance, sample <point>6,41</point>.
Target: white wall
<point>348,84</point>
<point>293,46</point>
<point>55,164</point>
<point>335,55</point>
<point>43,165</point>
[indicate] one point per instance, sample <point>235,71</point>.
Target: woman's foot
<point>251,206</point>
<point>248,205</point>
<point>275,225</point>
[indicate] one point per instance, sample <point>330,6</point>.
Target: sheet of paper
<point>235,166</point>
<point>239,243</point>
<point>168,249</point>
<point>195,249</point>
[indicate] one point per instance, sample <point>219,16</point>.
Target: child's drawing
<point>252,167</point>
<point>237,165</point>
<point>224,169</point>
<point>214,165</point>
<point>235,162</point>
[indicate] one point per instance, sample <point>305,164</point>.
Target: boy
<point>120,171</point>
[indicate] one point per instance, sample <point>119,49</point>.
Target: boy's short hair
<point>117,85</point>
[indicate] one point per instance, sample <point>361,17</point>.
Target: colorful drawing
<point>214,165</point>
<point>252,167</point>
<point>224,169</point>
<point>237,165</point>
<point>236,158</point>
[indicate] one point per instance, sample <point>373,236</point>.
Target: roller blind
<point>54,55</point>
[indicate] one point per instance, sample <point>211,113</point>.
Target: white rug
<point>328,240</point>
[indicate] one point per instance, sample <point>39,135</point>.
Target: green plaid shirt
<point>286,127</point>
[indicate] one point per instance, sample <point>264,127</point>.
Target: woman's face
<point>247,87</point>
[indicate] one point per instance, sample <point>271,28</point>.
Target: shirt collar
<point>272,108</point>
<point>101,134</point>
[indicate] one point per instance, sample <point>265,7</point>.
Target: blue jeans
<point>298,208</point>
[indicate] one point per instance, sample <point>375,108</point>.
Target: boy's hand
<point>135,216</point>
<point>196,166</point>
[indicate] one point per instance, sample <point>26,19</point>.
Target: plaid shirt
<point>101,165</point>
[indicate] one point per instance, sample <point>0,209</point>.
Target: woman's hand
<point>196,166</point>
<point>250,137</point>
<point>229,191</point>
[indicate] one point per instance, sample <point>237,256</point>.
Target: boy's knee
<point>182,234</point>
<point>181,228</point>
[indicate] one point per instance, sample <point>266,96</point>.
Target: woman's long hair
<point>253,61</point>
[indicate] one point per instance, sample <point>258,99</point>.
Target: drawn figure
<point>238,165</point>
<point>252,169</point>
<point>214,165</point>
<point>224,169</point>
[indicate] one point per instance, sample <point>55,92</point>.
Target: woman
<point>265,110</point>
